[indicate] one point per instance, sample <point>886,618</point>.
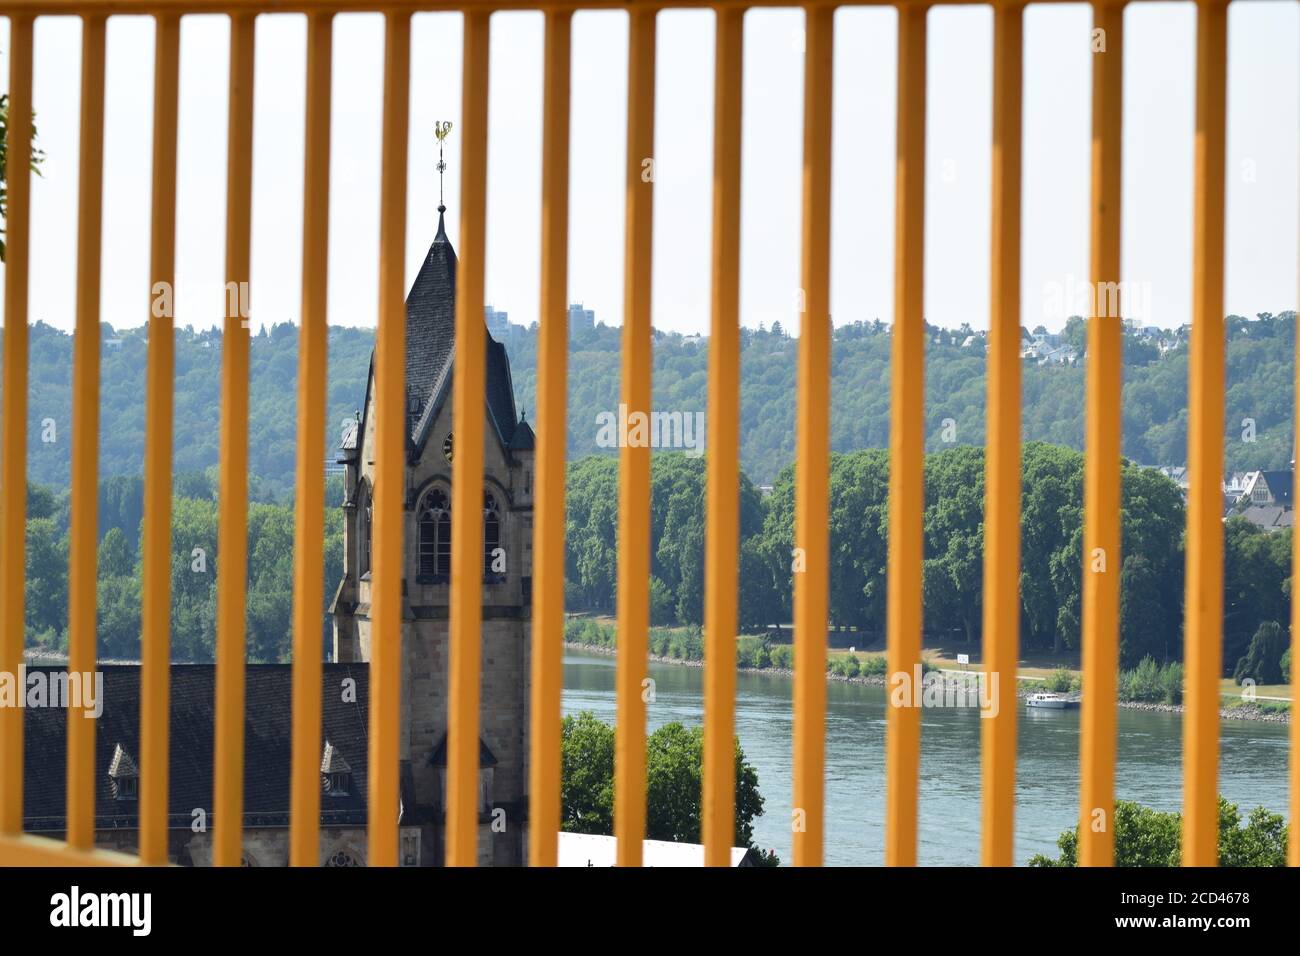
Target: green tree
<point>1263,661</point>
<point>674,761</point>
<point>954,541</point>
<point>1261,842</point>
<point>1147,837</point>
<point>1143,629</point>
<point>1076,333</point>
<point>859,541</point>
<point>762,584</point>
<point>662,612</point>
<point>118,617</point>
<point>45,606</point>
<point>118,598</point>
<point>674,768</point>
<point>1051,546</point>
<point>193,579</point>
<point>586,775</point>
<point>41,501</point>
<point>270,582</point>
<point>37,158</point>
<point>121,506</point>
<point>1256,568</point>
<point>116,557</point>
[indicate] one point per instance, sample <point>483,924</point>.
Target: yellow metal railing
<point>1001,598</point>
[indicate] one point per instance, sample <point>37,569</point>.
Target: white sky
<point>1263,163</point>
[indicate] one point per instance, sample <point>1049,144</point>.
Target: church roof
<point>267,746</point>
<point>430,347</point>
<point>349,439</point>
<point>523,440</point>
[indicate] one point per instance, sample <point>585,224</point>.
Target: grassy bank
<point>1148,683</point>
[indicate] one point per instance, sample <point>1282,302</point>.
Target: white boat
<point>1048,701</point>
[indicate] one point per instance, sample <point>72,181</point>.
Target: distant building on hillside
<point>1268,488</point>
<point>1177,474</point>
<point>580,319</point>
<point>1265,498</point>
<point>1235,486</point>
<point>1269,517</point>
<point>497,322</point>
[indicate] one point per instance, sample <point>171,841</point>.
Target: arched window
<point>364,522</point>
<point>435,534</point>
<point>491,535</point>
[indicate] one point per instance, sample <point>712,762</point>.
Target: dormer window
<point>123,775</point>
<point>335,774</point>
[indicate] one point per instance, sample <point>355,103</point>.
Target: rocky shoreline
<point>1244,712</point>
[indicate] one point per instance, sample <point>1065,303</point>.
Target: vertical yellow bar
<point>634,459</point>
<point>549,519</point>
<point>1002,459</point>
<point>1101,493</point>
<point>84,532</point>
<point>722,543</point>
<point>390,450</point>
<point>232,532</point>
<point>906,443</point>
<point>468,387</point>
<point>13,418</point>
<point>812,436</point>
<point>1204,629</point>
<point>309,514</point>
<point>156,537</point>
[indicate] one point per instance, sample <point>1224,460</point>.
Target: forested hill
<point>1260,388</point>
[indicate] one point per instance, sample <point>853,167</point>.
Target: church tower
<point>506,573</point>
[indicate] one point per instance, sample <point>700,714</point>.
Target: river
<point>1253,761</point>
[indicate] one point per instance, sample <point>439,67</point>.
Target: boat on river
<point>1051,702</point>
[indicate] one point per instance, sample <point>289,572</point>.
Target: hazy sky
<point>1263,163</point>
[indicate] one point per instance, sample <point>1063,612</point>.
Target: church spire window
<point>493,563</point>
<point>364,522</point>
<point>435,535</point>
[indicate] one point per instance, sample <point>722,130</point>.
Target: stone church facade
<point>506,572</point>
<point>507,577</point>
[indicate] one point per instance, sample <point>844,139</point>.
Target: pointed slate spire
<point>441,235</point>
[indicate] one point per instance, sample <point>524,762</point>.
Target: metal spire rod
<point>440,129</point>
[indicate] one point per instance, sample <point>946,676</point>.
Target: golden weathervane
<point>440,129</point>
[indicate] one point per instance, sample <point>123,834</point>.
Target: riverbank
<point>1240,712</point>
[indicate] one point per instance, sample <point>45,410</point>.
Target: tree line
<point>1258,401</point>
<point>193,570</point>
<point>1257,569</point>
<point>1150,565</point>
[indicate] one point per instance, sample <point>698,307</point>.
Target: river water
<point>1252,764</point>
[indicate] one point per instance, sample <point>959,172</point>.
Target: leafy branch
<point>38,157</point>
